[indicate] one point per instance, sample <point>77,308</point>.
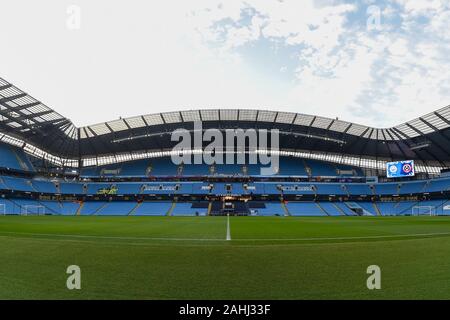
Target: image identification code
<point>227,310</point>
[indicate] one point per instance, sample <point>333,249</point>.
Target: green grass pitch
<point>189,258</point>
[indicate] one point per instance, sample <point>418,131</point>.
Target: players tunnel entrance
<point>236,207</point>
<point>223,208</point>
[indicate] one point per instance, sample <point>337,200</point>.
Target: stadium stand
<point>327,167</point>
<point>288,166</point>
<point>14,158</point>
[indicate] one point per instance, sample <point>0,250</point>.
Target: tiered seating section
<point>257,188</point>
<point>163,167</point>
<point>14,158</point>
<point>17,162</point>
<point>168,208</point>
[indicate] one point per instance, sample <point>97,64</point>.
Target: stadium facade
<point>326,167</point>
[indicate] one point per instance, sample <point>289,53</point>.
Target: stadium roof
<point>425,139</point>
<point>28,119</point>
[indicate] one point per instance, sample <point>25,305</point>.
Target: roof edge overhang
<point>23,117</point>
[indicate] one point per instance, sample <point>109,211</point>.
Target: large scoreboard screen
<point>400,169</point>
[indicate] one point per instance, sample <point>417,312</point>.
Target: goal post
<point>423,211</point>
<point>32,210</point>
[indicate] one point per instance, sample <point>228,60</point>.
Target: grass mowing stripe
<point>106,237</point>
<point>413,235</point>
<point>319,257</point>
<point>220,243</point>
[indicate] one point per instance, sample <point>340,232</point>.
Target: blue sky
<point>373,62</point>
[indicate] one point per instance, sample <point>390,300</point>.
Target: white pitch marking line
<point>104,237</point>
<point>228,228</point>
<point>219,240</point>
<point>356,238</point>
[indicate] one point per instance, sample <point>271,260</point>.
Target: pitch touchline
<point>220,240</point>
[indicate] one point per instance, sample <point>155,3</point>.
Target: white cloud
<point>378,78</point>
<point>420,7</point>
<point>304,56</point>
<point>399,48</point>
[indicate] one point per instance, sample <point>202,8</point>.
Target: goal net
<point>423,211</point>
<point>33,210</point>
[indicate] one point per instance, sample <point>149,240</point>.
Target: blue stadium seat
<point>128,188</point>
<point>92,207</point>
<point>345,209</point>
<point>321,169</point>
<point>185,209</point>
<point>331,209</point>
<point>25,206</point>
<point>90,172</point>
<point>136,168</point>
<point>304,209</point>
<point>71,188</point>
<point>404,207</point>
<point>200,188</point>
<point>10,207</point>
<point>330,189</point>
<point>61,208</point>
<point>117,208</point>
<point>290,166</point>
<point>412,187</point>
<point>44,186</point>
<point>387,188</point>
<point>195,170</point>
<point>163,167</point>
<point>271,209</point>
<point>387,208</point>
<point>358,209</point>
<point>438,185</point>
<point>369,207</point>
<point>228,169</point>
<point>358,188</point>
<point>153,209</point>
<point>271,188</point>
<point>14,158</point>
<point>19,184</point>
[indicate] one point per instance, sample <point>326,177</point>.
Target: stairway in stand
<point>135,208</point>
